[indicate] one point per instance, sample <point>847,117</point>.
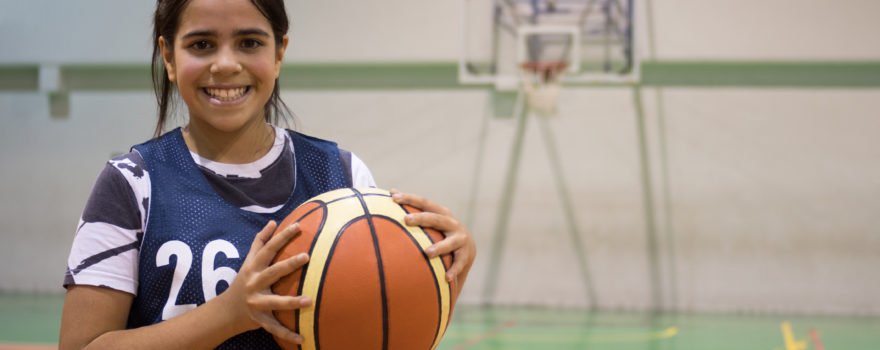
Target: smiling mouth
<point>226,94</point>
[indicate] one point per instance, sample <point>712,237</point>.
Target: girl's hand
<point>251,290</point>
<point>458,239</point>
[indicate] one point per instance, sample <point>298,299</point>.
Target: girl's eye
<point>251,43</point>
<point>200,45</point>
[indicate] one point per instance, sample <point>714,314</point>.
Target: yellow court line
<point>788,338</point>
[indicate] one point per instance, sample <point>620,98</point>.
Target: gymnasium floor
<point>31,322</point>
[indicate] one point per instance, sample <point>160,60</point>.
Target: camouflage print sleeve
<point>105,248</point>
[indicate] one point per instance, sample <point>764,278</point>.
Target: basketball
<point>371,284</point>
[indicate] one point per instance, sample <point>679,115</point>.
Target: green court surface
<point>33,320</point>
<point>557,329</point>
<point>29,319</point>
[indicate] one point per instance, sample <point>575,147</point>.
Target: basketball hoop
<point>541,83</point>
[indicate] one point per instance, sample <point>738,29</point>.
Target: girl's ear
<point>168,59</point>
<point>279,55</point>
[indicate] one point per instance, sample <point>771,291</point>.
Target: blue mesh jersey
<point>195,241</point>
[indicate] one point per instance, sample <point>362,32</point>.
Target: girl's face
<point>224,62</point>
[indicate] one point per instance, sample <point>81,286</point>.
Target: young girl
<point>175,243</point>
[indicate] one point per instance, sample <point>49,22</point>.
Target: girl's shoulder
<point>131,162</point>
<point>121,187</point>
<point>104,250</point>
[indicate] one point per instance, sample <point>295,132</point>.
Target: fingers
<point>268,251</point>
<point>280,269</point>
<point>439,222</point>
<point>446,246</point>
<point>272,302</point>
<point>271,324</point>
<point>419,202</point>
<point>458,240</point>
<point>455,233</point>
<point>458,265</point>
<point>264,235</point>
<point>460,246</point>
<point>250,292</point>
<point>257,273</point>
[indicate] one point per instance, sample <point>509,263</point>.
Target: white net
<point>542,98</point>
<point>541,85</point>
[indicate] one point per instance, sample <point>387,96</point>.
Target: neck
<point>245,145</point>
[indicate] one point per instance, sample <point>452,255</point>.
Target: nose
<point>226,62</point>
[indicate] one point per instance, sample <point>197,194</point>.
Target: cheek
<point>188,72</point>
<point>264,69</point>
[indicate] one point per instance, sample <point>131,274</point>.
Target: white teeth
<point>226,94</point>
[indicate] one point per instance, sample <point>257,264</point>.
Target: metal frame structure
<point>538,32</point>
<point>604,24</point>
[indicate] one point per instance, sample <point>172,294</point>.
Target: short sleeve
<point>360,174</point>
<point>105,248</point>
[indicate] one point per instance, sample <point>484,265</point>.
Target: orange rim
<point>548,70</point>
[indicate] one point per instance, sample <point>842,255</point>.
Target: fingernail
<point>297,338</point>
<point>431,251</point>
<point>305,301</point>
<point>303,257</point>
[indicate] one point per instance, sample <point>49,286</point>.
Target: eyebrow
<point>240,32</point>
<point>252,31</point>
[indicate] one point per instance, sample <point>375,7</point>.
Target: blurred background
<point>742,174</point>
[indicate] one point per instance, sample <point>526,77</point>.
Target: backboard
<point>595,38</point>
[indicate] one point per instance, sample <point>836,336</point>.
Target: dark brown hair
<point>166,21</point>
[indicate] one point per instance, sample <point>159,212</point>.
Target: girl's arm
<point>458,241</point>
<point>96,317</point>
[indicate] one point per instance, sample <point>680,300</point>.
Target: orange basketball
<point>371,284</point>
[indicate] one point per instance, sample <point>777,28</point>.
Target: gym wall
<point>688,197</point>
